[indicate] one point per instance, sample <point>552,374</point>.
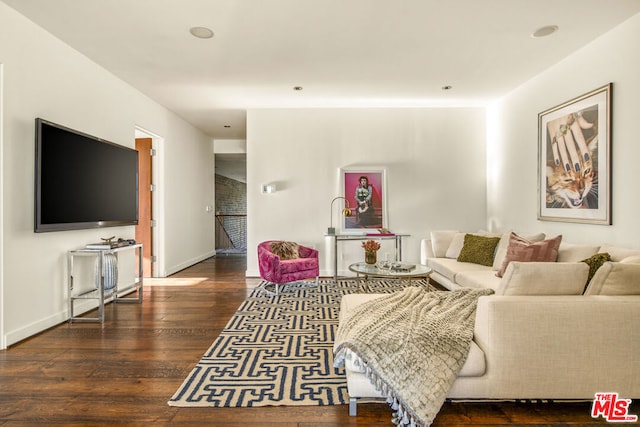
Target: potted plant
<point>371,248</point>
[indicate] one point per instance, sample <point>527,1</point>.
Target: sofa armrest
<point>544,278</point>
<point>426,251</point>
<point>560,346</point>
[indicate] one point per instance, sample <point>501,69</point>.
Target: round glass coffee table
<point>403,271</point>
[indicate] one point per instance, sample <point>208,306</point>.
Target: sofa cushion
<point>618,254</point>
<point>449,268</point>
<point>615,278</point>
<point>501,250</point>
<point>633,259</point>
<point>571,252</point>
<point>485,278</point>
<point>478,249</point>
<point>284,250</point>
<point>441,240</point>
<point>520,249</point>
<point>457,242</point>
<point>544,278</point>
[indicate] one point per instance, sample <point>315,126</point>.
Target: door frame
<point>3,341</point>
<point>157,201</point>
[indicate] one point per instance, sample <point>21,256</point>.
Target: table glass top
<point>390,269</point>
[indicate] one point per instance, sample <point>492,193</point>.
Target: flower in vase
<point>371,246</point>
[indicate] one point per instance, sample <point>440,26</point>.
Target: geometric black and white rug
<point>277,350</point>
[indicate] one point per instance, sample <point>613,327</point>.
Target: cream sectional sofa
<point>541,335</point>
<point>441,251</point>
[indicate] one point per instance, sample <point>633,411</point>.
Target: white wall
<point>230,146</point>
<point>435,162</point>
<point>513,150</point>
<point>45,78</point>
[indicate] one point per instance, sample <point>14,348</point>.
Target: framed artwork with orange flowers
<point>574,159</point>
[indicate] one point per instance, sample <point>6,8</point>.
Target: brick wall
<point>231,199</point>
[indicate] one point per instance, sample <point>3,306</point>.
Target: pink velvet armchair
<point>278,270</point>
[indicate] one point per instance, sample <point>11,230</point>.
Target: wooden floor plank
<point>125,371</point>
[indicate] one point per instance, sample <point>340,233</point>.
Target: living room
<point>469,167</point>
<point>441,174</point>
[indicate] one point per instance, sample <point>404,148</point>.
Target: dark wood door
<point>143,229</point>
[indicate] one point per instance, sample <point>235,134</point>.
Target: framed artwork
<point>574,160</point>
<point>366,192</point>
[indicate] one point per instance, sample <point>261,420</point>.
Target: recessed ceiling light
<point>545,31</point>
<point>297,88</point>
<point>201,32</point>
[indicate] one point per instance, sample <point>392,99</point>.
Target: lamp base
<point>331,231</point>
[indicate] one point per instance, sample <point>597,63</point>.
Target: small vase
<point>370,257</point>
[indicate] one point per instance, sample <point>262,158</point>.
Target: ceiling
<point>343,53</point>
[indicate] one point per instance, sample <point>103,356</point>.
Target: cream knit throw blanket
<point>413,344</point>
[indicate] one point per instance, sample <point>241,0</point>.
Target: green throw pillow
<point>595,262</point>
<point>478,249</point>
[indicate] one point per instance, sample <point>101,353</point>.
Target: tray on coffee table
<point>385,270</point>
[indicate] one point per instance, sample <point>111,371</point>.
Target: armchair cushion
<point>299,264</point>
<point>284,250</point>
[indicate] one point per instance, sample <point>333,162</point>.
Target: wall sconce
<point>346,211</point>
<point>268,188</point>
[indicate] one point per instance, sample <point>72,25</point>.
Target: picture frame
<point>574,159</point>
<point>366,212</point>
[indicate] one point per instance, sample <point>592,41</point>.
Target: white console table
<point>345,237</point>
<point>98,293</point>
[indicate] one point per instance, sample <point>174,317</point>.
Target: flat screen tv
<point>82,181</point>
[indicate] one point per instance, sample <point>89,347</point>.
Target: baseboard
<point>179,267</point>
<point>252,273</point>
<point>32,329</point>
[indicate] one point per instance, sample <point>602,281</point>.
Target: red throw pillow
<point>520,249</point>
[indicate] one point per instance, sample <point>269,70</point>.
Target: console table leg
<point>335,259</point>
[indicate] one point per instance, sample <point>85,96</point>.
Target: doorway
<point>150,210</point>
<point>144,229</point>
<point>231,203</point>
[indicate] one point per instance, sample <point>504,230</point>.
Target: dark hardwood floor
<point>124,372</point>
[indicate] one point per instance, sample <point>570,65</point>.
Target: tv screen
<point>82,181</point>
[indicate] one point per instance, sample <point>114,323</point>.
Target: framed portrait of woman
<point>365,190</point>
<point>574,159</point>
